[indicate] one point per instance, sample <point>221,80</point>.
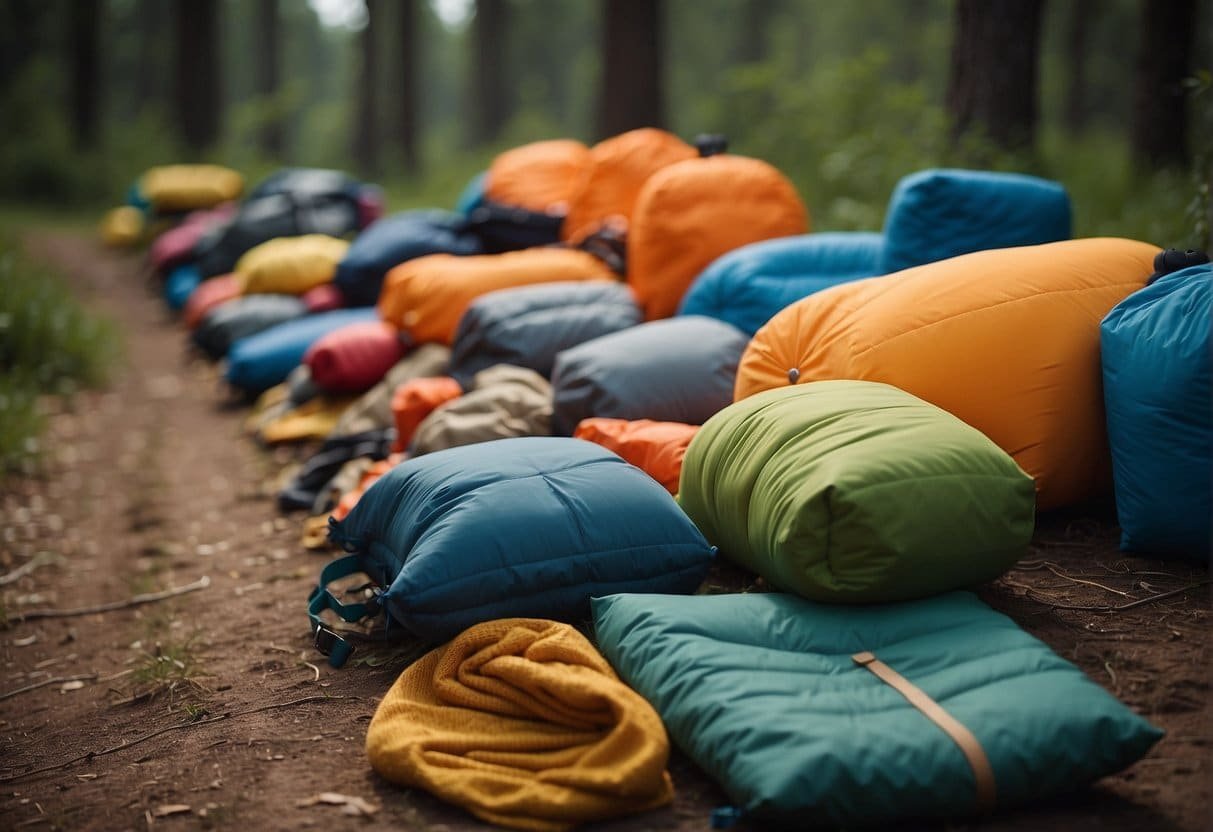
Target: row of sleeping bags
<point>919,702</point>
<point>164,197</point>
<point>843,490</point>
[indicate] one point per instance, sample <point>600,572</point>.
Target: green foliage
<point>49,344</point>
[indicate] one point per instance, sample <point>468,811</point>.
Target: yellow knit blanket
<point>525,724</point>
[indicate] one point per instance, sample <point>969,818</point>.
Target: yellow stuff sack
<point>175,188</point>
<point>539,177</point>
<point>290,265</point>
<point>691,212</point>
<point>122,227</point>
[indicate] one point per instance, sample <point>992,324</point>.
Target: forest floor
<point>212,710</point>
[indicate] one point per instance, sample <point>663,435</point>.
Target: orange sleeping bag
<point>1007,340</point>
<point>426,297</point>
<point>657,448</point>
<point>617,170</point>
<point>690,213</point>
<point>416,399</point>
<point>540,176</point>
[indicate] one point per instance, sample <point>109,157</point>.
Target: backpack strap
<point>326,640</point>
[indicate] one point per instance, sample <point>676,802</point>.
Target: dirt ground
<point>153,485</point>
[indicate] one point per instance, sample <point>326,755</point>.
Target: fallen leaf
<point>350,804</point>
<point>67,686</point>
<point>170,809</point>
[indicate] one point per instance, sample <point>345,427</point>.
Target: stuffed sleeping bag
<point>516,527</point>
<point>677,370</point>
<point>355,358</point>
<point>852,491</point>
<point>260,361</point>
<point>813,715</point>
<point>657,448</point>
<point>1156,356</point>
<point>528,326</point>
<point>1007,340</point>
<point>290,265</point>
<point>397,239</point>
<point>502,402</point>
<point>241,317</point>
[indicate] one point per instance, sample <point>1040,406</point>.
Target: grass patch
<point>49,345</point>
<point>171,667</point>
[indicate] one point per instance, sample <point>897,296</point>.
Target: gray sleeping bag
<point>676,370</point>
<point>244,316</point>
<point>530,325</point>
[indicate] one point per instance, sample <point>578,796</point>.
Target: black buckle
<point>324,640</point>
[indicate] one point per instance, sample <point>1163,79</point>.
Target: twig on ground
<point>40,559</point>
<point>1056,571</point>
<point>1119,607</point>
<point>84,677</point>
<point>138,600</point>
<point>122,746</point>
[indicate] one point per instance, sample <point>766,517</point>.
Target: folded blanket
<point>522,722</point>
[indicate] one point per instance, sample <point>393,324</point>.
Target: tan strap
<point>932,710</point>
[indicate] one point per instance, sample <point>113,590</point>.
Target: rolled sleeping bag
<point>529,325</point>
<point>397,239</point>
<point>1155,347</point>
<point>677,370</point>
<point>290,265</point>
<point>176,246</point>
<point>1006,340</point>
<point>242,317</point>
<point>354,358</point>
<point>208,295</point>
<point>181,283</point>
<point>657,448</point>
<point>427,297</point>
<point>504,402</point>
<point>260,361</point>
<point>417,398</point>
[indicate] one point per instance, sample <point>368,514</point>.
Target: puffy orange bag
<point>540,176</point>
<point>416,399</point>
<point>1007,340</point>
<point>373,474</point>
<point>657,448</point>
<point>208,295</point>
<point>690,213</point>
<point>617,170</point>
<point>426,297</point>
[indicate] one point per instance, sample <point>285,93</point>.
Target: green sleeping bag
<point>762,691</point>
<point>854,491</point>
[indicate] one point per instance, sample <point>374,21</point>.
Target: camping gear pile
<point>610,365</point>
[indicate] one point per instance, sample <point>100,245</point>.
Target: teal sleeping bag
<point>1155,346</point>
<point>762,692</point>
<point>855,491</point>
<point>527,527</point>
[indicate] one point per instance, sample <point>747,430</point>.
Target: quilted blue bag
<point>529,527</point>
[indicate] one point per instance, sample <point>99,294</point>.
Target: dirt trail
<point>153,485</point>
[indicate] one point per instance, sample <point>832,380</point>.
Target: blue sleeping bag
<point>746,286</point>
<point>780,701</point>
<point>260,361</point>
<point>181,283</point>
<point>529,325</point>
<point>932,215</point>
<point>1155,348</point>
<point>393,240</point>
<point>529,527</point>
<point>677,370</point>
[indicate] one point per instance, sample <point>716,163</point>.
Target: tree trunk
<point>491,104</point>
<point>366,123</point>
<point>198,98</point>
<point>267,61</point>
<point>85,61</point>
<point>753,36</point>
<point>152,26</point>
<point>409,45</point>
<point>631,86</point>
<point>1160,114</point>
<point>1077,111</point>
<point>993,84</point>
